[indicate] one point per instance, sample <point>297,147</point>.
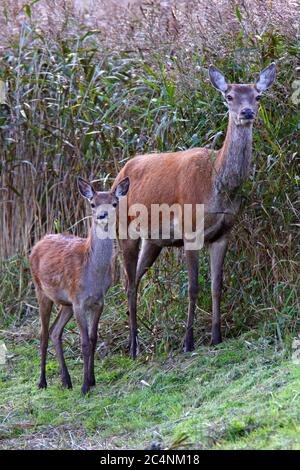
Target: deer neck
<point>232,163</point>
<point>99,248</point>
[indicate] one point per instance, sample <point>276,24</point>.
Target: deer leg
<point>130,250</point>
<point>93,334</point>
<point>45,307</point>
<point>148,254</point>
<point>192,258</point>
<point>56,332</point>
<point>81,318</point>
<point>218,250</point>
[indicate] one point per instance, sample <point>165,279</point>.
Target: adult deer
<point>195,176</point>
<point>75,273</point>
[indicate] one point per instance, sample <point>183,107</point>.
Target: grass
<point>243,394</point>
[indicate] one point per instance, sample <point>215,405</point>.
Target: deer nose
<point>103,215</point>
<point>247,113</point>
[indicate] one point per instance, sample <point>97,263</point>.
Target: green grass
<point>242,394</point>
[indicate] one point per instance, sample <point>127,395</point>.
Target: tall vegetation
<point>81,97</point>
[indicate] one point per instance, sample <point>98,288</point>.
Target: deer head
<point>105,203</point>
<point>243,100</point>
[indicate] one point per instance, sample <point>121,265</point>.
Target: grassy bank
<point>243,394</point>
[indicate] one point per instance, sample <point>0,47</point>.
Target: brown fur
<point>149,176</point>
<point>57,262</point>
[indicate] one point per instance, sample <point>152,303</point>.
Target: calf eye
<point>229,98</point>
<point>258,98</point>
<point>115,204</point>
<point>93,205</point>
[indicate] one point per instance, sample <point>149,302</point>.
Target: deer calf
<point>76,273</point>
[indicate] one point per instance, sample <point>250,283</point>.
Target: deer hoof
<point>85,389</point>
<point>42,384</point>
<point>188,347</point>
<point>189,342</point>
<point>66,382</point>
<point>216,340</point>
<point>134,347</point>
<point>133,353</point>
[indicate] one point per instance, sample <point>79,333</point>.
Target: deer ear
<point>85,188</point>
<point>217,79</point>
<point>122,188</point>
<point>266,77</point>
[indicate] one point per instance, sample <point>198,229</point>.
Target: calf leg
<point>93,334</point>
<point>81,318</point>
<point>192,258</point>
<point>45,307</point>
<point>56,332</point>
<point>217,255</point>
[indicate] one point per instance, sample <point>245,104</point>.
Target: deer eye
<point>93,205</point>
<point>258,98</point>
<point>229,98</point>
<point>114,204</point>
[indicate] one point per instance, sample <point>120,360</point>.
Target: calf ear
<point>122,188</point>
<point>85,188</point>
<point>266,77</point>
<point>217,79</point>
